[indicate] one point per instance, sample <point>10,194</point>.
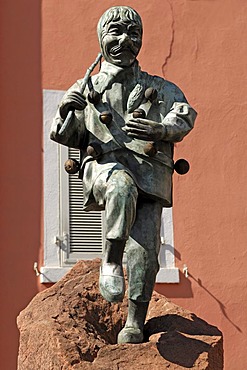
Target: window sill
<point>53,274</point>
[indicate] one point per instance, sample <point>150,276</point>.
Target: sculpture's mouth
<point>118,50</point>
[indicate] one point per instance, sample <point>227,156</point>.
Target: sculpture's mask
<point>120,35</point>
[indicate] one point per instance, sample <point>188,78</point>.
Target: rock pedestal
<point>70,327</point>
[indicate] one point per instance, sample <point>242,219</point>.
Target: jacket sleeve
<point>179,121</point>
<point>75,133</point>
<point>178,116</point>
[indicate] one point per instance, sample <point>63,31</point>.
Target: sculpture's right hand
<point>73,101</point>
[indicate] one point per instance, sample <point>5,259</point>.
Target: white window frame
<point>55,264</point>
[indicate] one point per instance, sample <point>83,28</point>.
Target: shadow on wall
<point>181,290</point>
<point>221,305</point>
<point>184,290</point>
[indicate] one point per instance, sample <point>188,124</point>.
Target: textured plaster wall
<point>21,165</point>
<point>200,45</point>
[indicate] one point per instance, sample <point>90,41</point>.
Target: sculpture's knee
<point>121,184</point>
<point>121,191</point>
<point>120,207</point>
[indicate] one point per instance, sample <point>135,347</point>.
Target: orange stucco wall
<point>199,45</point>
<point>21,165</point>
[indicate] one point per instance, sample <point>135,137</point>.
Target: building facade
<point>199,45</point>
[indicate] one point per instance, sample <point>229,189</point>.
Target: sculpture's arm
<point>75,132</point>
<point>175,125</point>
<point>178,122</point>
<point>176,116</point>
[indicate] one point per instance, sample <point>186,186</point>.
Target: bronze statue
<point>125,123</point>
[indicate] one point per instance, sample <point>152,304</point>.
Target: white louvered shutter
<point>83,232</point>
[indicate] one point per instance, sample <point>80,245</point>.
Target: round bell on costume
<point>94,97</point>
<point>151,94</point>
<point>150,150</point>
<point>94,150</point>
<point>72,166</point>
<point>105,117</point>
<point>182,166</point>
<point>139,113</point>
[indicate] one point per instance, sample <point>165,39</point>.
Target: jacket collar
<point>110,73</point>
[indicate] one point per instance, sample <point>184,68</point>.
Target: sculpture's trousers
<point>136,220</point>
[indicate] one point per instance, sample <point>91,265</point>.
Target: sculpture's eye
<point>115,31</point>
<point>134,34</point>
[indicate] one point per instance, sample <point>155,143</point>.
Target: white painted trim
<point>51,99</point>
<point>168,275</point>
<point>52,274</point>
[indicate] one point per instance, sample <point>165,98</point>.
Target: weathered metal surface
<point>126,138</point>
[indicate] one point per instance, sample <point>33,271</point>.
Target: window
<point>69,233</point>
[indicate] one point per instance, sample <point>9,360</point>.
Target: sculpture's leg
<point>133,329</point>
<point>142,258</point>
<point>119,194</point>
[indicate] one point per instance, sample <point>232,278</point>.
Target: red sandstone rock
<point>71,327</point>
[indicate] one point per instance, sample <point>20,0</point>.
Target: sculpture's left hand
<point>145,129</point>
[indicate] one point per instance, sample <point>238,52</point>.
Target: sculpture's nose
<point>125,40</point>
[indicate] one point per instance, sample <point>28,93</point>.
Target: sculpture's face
<point>121,42</point>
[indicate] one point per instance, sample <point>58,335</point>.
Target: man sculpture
<point>125,124</point>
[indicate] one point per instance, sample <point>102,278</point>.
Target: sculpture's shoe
<point>111,282</point>
<point>130,335</point>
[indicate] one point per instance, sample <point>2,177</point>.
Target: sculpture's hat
<point>115,13</point>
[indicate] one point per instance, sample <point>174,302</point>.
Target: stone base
<point>70,326</point>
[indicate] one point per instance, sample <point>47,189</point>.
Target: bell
<point>150,149</point>
<point>94,97</point>
<point>139,113</point>
<point>151,94</point>
<point>182,166</point>
<point>105,117</point>
<point>94,150</point>
<point>72,166</point>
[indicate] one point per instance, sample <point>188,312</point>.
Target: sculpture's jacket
<point>122,91</point>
